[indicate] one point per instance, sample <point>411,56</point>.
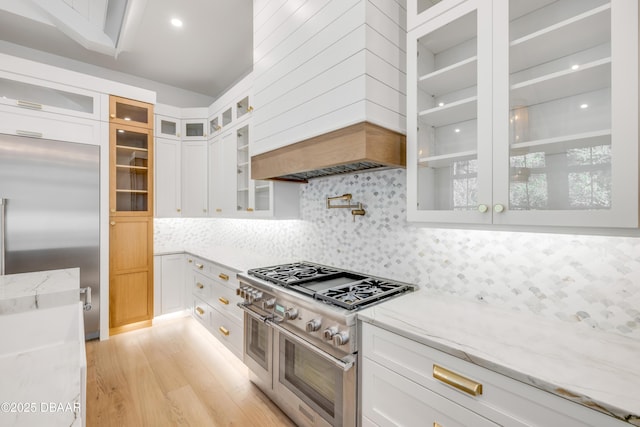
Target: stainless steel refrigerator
<point>50,192</point>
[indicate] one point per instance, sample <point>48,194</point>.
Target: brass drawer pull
<point>249,209</point>
<point>28,104</point>
<point>200,311</point>
<point>223,276</point>
<point>200,285</point>
<point>200,266</point>
<point>223,301</point>
<point>435,424</point>
<point>458,381</point>
<point>224,331</point>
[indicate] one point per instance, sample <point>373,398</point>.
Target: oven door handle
<point>252,313</point>
<point>344,364</point>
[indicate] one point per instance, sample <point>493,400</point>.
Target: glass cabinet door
<point>562,97</point>
<point>129,112</point>
<point>242,158</point>
<point>451,128</point>
<point>131,170</point>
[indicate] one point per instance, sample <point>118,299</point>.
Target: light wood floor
<point>172,374</point>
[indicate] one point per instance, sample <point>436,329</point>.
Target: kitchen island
<point>591,368</point>
<point>42,357</point>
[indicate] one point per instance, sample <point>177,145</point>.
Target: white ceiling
<point>212,50</point>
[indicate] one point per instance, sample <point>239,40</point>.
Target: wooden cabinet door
<point>131,271</point>
<point>129,112</point>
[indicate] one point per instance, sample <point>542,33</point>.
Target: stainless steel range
<point>301,337</point>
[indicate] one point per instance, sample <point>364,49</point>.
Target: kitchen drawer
<point>225,300</point>
<point>202,287</point>
<point>202,312</point>
<point>196,263</point>
<point>224,276</point>
<point>228,330</point>
<point>390,400</point>
<point>504,400</point>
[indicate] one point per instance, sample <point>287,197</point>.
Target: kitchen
<point>529,265</point>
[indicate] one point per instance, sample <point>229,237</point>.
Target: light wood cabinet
<point>131,214</point>
<point>523,112</point>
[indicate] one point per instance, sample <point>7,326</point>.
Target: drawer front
<point>202,312</point>
<point>389,399</point>
<point>224,276</point>
<point>228,331</point>
<point>225,300</point>
<point>202,287</point>
<point>504,400</point>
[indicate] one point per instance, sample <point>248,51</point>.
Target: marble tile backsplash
<point>594,280</point>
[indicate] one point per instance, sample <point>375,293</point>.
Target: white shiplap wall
<point>320,65</point>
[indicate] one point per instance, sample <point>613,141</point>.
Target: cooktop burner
<point>354,295</point>
<point>295,273</point>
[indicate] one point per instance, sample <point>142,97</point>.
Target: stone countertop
<point>598,370</point>
<point>38,290</point>
<point>230,257</point>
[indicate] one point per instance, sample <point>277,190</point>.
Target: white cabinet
<point>168,178</point>
<point>223,173</point>
<point>194,178</point>
<point>213,301</point>
<point>167,127</point>
<point>194,129</point>
<point>169,283</point>
<point>407,383</point>
<point>523,112</point>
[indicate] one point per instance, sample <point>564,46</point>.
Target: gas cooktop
<point>333,286</point>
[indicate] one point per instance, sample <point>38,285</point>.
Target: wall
<point>594,280</point>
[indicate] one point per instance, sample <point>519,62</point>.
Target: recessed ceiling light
<point>457,130</point>
<point>583,106</point>
<point>176,22</point>
<point>575,67</point>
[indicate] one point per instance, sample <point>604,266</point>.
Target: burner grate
<point>293,274</point>
<point>358,294</point>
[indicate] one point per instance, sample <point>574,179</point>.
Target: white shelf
<point>563,143</point>
<point>580,32</point>
<point>447,159</point>
<point>243,147</point>
<point>262,187</point>
<point>243,164</point>
<point>241,190</point>
<point>455,112</point>
<point>454,77</point>
<point>589,77</point>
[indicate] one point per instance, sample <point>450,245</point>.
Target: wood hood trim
<point>353,148</point>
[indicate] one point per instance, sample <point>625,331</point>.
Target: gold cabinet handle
<point>249,209</point>
<point>200,285</point>
<point>200,311</point>
<point>435,424</point>
<point>113,223</point>
<point>113,210</point>
<point>178,210</point>
<point>190,261</point>
<point>223,276</point>
<point>29,104</point>
<point>250,109</point>
<point>218,210</point>
<point>200,266</point>
<point>223,301</point>
<point>224,331</point>
<point>456,380</point>
<point>113,116</point>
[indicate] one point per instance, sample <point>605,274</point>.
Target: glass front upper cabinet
<point>130,112</point>
<point>560,105</point>
<point>131,169</point>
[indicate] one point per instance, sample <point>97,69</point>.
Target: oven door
<point>317,388</point>
<point>258,353</point>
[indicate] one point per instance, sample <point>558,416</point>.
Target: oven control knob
<point>330,332</point>
<point>257,295</point>
<point>268,304</point>
<point>341,338</point>
<point>313,325</point>
<point>290,314</point>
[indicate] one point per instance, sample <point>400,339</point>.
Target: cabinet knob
<point>113,210</point>
<point>223,301</point>
<point>178,210</point>
<point>200,285</point>
<point>113,223</point>
<point>224,331</point>
<point>200,266</point>
<point>483,208</point>
<point>250,109</point>
<point>498,208</point>
<point>218,210</point>
<point>204,210</point>
<point>113,116</point>
<point>200,311</point>
<point>223,276</point>
<point>249,209</point>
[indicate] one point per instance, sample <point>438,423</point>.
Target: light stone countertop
<point>38,290</point>
<point>598,370</point>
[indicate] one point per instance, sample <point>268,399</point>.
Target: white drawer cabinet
<point>212,289</point>
<point>398,376</point>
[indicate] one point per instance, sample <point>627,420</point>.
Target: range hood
<point>359,147</point>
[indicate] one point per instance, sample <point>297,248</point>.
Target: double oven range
<point>300,336</point>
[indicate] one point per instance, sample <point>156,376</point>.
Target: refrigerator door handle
<point>2,233</point>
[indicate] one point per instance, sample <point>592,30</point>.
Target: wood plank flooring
<point>174,373</point>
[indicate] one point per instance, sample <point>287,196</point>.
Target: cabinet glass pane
<point>560,105</point>
<point>242,146</point>
<point>214,126</point>
<point>262,192</point>
<point>132,172</point>
<point>42,95</point>
<point>195,129</point>
<point>226,117</point>
<point>426,4</point>
<point>242,107</point>
<point>447,116</point>
<point>168,127</point>
<point>131,113</point>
